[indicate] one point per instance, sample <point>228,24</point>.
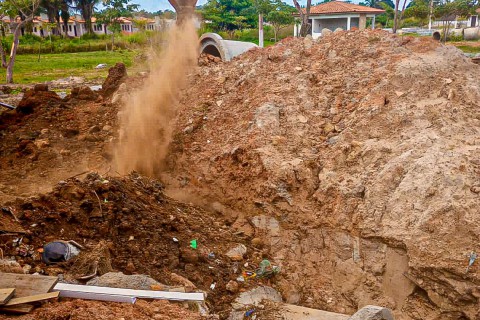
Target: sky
<point>155,5</point>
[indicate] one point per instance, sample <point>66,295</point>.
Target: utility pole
<point>260,30</point>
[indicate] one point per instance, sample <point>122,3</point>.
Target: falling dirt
<point>146,120</point>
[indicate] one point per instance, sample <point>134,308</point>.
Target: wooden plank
<point>35,298</point>
<point>21,308</point>
<point>68,290</point>
<point>27,284</point>
<point>5,295</point>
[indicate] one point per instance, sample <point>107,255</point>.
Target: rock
<point>219,103</point>
<point>267,115</point>
<point>120,280</point>
<point>188,255</point>
<point>10,266</point>
<point>326,32</point>
<point>41,143</point>
<point>475,189</point>
<point>257,242</point>
<point>89,138</point>
<point>399,93</point>
<point>188,129</point>
<point>178,279</point>
<point>130,267</point>
<point>338,30</point>
<point>232,286</point>
<point>448,80</point>
<point>372,313</point>
<point>237,253</point>
<point>298,68</point>
<point>255,297</point>
<point>107,128</point>
<point>94,129</point>
<point>328,128</point>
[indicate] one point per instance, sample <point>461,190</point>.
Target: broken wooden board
<point>116,294</point>
<point>34,298</point>
<point>27,284</point>
<point>5,295</point>
<point>20,309</point>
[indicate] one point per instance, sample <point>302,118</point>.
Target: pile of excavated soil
<point>356,158</point>
<point>139,230</point>
<point>87,310</point>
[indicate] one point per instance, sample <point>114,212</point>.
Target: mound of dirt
<point>38,96</point>
<point>358,157</point>
<point>145,232</point>
<point>88,310</point>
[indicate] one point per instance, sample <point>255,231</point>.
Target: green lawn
<point>469,49</point>
<point>28,69</point>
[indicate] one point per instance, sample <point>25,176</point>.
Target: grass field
<point>28,69</point>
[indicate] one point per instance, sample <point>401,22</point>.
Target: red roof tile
<point>335,7</point>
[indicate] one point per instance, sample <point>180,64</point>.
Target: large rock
<point>372,313</point>
<point>120,280</point>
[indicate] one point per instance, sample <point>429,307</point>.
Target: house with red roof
<point>338,14</point>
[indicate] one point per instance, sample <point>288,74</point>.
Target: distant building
<point>338,14</point>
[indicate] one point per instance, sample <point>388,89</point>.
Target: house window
<point>63,28</point>
<point>70,27</point>
<point>34,29</point>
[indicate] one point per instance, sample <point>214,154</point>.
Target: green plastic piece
<point>193,243</point>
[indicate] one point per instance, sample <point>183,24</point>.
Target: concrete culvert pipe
<point>215,45</point>
<point>436,35</point>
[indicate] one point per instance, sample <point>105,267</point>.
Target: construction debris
<point>26,290</point>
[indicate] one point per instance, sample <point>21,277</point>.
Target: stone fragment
<point>236,253</point>
<point>372,313</point>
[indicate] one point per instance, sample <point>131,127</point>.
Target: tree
<point>86,8</point>
<point>228,15</point>
<point>23,12</point>
<point>305,27</point>
<point>280,17</point>
<point>451,9</point>
<point>114,10</point>
<point>141,24</point>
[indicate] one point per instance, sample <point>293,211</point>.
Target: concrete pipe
<point>436,35</point>
<point>215,45</point>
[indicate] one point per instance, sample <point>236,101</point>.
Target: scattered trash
<point>473,257</point>
<point>193,243</point>
<point>212,286</point>
<point>175,239</point>
<point>249,313</point>
<point>101,66</point>
<point>211,255</point>
<point>240,279</point>
<point>266,269</point>
<point>59,251</point>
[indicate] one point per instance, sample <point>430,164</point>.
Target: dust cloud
<point>146,119</point>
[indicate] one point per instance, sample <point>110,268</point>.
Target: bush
<point>30,39</point>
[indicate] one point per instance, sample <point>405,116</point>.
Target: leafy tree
<point>86,8</point>
<point>22,12</point>
<point>280,17</point>
<point>229,15</point>
<point>114,10</point>
<point>453,8</point>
